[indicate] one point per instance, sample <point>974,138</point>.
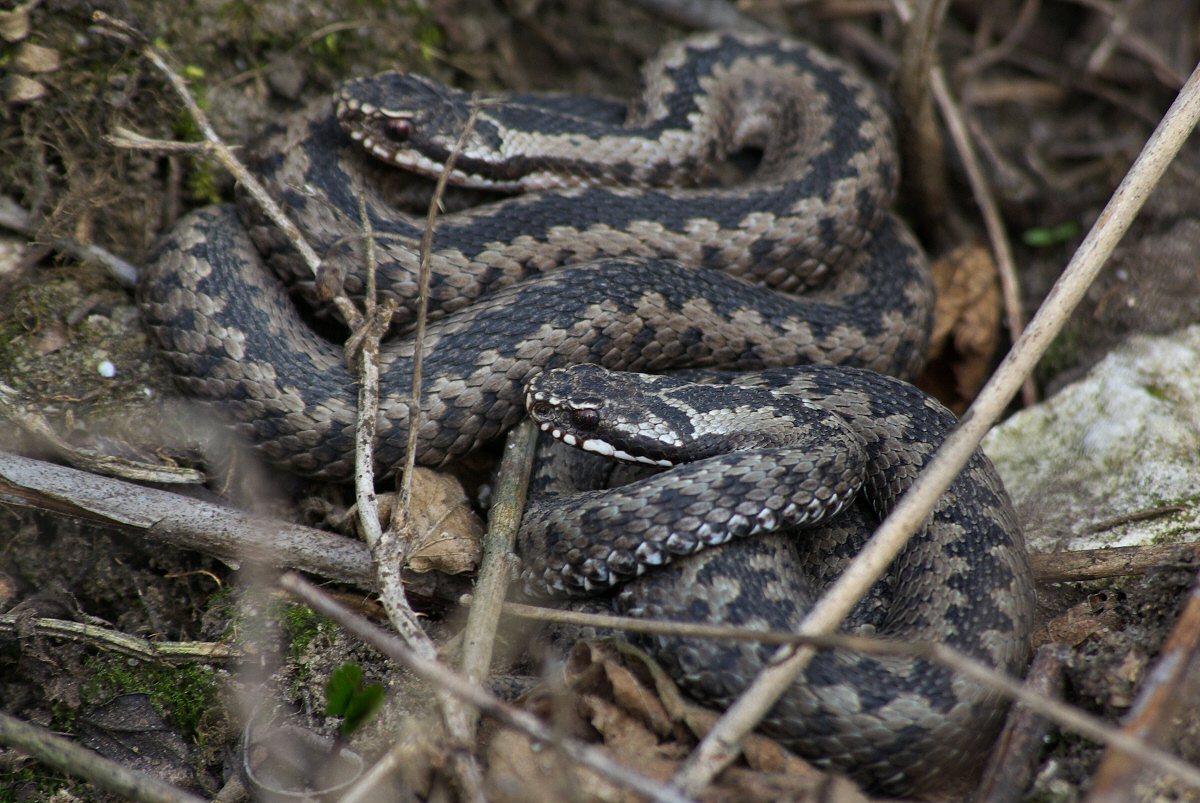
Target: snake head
<point>413,122</point>
<point>666,421</point>
<point>601,411</point>
<point>633,418</point>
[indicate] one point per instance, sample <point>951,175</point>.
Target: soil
<point>1058,124</point>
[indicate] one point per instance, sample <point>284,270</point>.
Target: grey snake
<point>756,237</point>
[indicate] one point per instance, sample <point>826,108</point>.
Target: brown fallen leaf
<point>448,531</point>
<point>966,326</point>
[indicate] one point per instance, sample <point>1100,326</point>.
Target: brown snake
<point>788,169</point>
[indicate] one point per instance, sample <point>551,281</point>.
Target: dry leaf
<point>447,529</point>
<point>966,326</point>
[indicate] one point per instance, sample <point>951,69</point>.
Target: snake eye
<point>586,418</point>
<point>399,130</point>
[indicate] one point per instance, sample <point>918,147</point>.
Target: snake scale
<point>754,239</point>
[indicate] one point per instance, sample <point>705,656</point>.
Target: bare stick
<point>919,136</point>
<point>389,550</point>
<point>720,746</point>
<point>414,404</point>
<point>13,217</point>
<point>14,408</point>
<point>1096,564</point>
<point>498,562</point>
<point>473,693</point>
<point>174,652</point>
<point>66,756</point>
<point>1010,289</point>
<point>230,535</point>
<point>222,153</point>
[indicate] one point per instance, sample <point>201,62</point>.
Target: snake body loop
<point>778,251</point>
<point>519,285</point>
<point>751,531</point>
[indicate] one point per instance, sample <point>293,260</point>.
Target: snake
<point>734,217</point>
<point>770,483</point>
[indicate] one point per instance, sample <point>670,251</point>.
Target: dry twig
<point>1005,265</point>
<point>16,410</point>
<point>390,548</point>
<point>118,642</point>
<point>498,561</point>
<point>66,756</point>
<point>221,152</point>
<point>1032,699</point>
<point>13,217</point>
<point>229,535</point>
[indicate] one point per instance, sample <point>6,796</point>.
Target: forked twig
<point>414,403</point>
<point>221,152</point>
<point>720,746</point>
<point>390,547</point>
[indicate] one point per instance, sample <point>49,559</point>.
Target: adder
<point>757,236</point>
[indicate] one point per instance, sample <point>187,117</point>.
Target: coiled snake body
<point>581,270</point>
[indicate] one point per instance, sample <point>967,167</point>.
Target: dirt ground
<point>1058,96</point>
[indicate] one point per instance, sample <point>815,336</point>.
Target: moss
<point>302,627</point>
<point>182,693</point>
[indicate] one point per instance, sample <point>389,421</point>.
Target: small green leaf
<point>1048,236</point>
<point>362,707</point>
<point>340,689</point>
<point>193,72</point>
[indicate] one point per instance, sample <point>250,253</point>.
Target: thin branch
<point>998,52</point>
<point>498,562</point>
<point>720,746</point>
<point>175,652</point>
<point>920,138</point>
<point>1097,564</point>
<point>425,271</point>
<point>441,677</point>
<point>14,408</point>
<point>230,535</point>
<point>66,756</point>
<point>1009,286</point>
<point>14,218</point>
<point>222,153</point>
<point>390,551</point>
